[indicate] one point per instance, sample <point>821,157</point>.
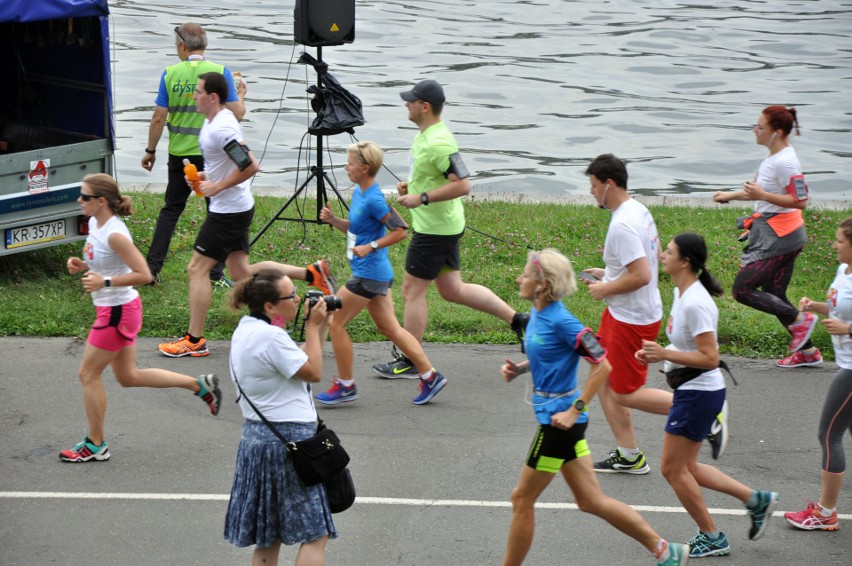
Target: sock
<point>346,382</point>
<point>713,536</point>
<point>629,453</point>
<point>753,500</point>
<point>428,375</point>
<point>194,339</point>
<point>824,511</point>
<point>309,276</point>
<point>662,552</point>
<point>202,391</point>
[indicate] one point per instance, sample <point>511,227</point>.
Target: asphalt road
<point>433,481</point>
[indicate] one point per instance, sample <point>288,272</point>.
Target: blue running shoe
<point>702,545</point>
<point>766,502</point>
<point>428,389</point>
<point>337,394</point>
<point>678,555</point>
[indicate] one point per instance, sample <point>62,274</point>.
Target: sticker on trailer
<point>37,182</point>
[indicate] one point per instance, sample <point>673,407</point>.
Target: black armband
<point>239,154</point>
<point>394,221</point>
<point>457,167</point>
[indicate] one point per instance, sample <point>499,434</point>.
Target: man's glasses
<point>287,298</point>
<point>87,198</point>
<point>177,32</point>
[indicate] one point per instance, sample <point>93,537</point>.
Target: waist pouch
<point>677,377</point>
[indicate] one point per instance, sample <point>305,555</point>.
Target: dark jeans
<point>177,193</point>
<point>771,276</point>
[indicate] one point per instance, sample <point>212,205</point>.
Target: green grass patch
<point>39,298</point>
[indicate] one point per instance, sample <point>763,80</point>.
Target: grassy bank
<point>38,298</point>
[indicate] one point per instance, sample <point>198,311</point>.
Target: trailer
<point>56,117</point>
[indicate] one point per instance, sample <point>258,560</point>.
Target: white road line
<point>361,500</point>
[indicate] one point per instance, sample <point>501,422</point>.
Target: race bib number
<point>350,243</point>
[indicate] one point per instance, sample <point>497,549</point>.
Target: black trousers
<point>177,193</point>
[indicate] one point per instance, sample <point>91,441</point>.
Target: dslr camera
<point>332,302</point>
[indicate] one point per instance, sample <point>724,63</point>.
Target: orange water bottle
<point>191,172</point>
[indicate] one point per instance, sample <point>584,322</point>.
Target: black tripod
<point>324,104</point>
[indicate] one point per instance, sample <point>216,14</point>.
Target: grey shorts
<point>368,288</point>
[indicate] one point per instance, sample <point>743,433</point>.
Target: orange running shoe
<point>323,279</point>
<point>183,347</point>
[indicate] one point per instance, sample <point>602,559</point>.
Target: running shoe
<point>400,368</point>
<point>760,515</point>
<point>86,451</point>
<point>428,389</point>
<point>210,392</point>
<point>183,347</point>
<point>718,437</point>
<point>337,394</point>
<point>703,545</point>
<point>323,279</point>
<point>222,283</point>
<point>617,464</point>
<point>519,326</point>
<point>812,520</point>
<point>802,330</point>
<point>678,555</point>
<point>800,359</point>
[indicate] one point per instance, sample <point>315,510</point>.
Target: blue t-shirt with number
<point>550,340</point>
<point>365,223</point>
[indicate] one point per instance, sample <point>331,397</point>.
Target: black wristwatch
<point>151,151</point>
<point>107,281</point>
<point>424,198</point>
<point>580,405</point>
<point>850,330</point>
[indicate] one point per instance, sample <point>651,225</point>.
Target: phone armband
<point>457,167</point>
<point>589,347</point>
<point>797,188</point>
<point>394,220</point>
<point>239,154</point>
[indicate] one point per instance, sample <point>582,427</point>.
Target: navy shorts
<point>553,447</point>
<point>368,288</point>
<point>693,412</point>
<point>428,255</point>
<point>223,233</point>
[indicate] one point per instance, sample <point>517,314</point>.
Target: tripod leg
<point>283,208</point>
<point>333,188</point>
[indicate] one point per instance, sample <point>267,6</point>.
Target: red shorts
<point>116,327</point>
<point>621,341</point>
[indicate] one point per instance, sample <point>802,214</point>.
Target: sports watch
<point>424,198</point>
<point>374,244</point>
<point>580,405</point>
<point>107,281</point>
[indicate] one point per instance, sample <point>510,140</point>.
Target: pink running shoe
<point>800,358</point>
<point>802,330</point>
<point>811,520</point>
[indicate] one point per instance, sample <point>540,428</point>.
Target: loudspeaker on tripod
<point>324,22</point>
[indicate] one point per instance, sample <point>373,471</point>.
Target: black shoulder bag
<point>318,459</point>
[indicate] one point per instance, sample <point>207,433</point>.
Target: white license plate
<point>35,234</point>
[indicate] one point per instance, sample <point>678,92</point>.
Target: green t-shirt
<point>430,158</point>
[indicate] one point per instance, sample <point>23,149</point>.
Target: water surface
<point>535,89</point>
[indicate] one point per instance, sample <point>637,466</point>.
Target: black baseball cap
<point>427,91</point>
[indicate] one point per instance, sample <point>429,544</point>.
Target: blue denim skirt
<point>268,502</point>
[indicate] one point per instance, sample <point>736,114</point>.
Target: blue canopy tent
<point>57,53</point>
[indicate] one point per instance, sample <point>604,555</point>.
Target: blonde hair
<point>104,186</point>
<point>552,266</point>
<point>368,153</point>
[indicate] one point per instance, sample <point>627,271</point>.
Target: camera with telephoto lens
<point>332,303</point>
